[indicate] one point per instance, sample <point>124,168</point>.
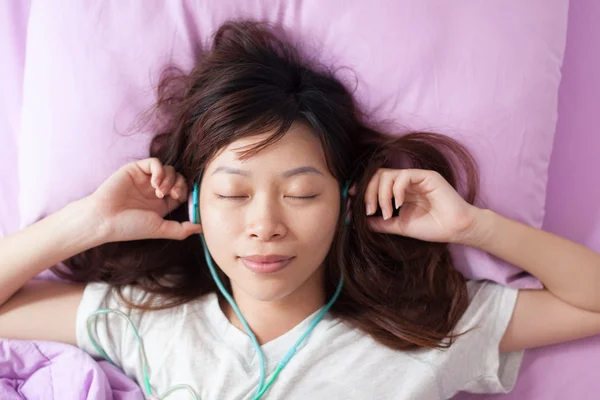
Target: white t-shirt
<point>195,344</point>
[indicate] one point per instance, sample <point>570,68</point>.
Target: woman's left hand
<point>431,210</point>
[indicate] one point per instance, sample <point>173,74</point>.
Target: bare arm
<point>44,309</point>
<point>432,210</point>
<point>568,270</point>
<point>44,244</point>
<point>127,206</point>
<point>569,306</point>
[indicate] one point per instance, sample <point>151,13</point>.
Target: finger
<point>407,178</point>
<point>378,224</point>
<point>420,178</point>
<point>179,189</point>
<point>371,193</point>
<point>400,184</point>
<point>154,168</point>
<point>175,202</point>
<point>385,194</point>
<point>176,230</point>
<point>169,180</point>
<point>172,204</point>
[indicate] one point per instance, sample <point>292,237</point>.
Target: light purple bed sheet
<point>567,371</point>
<point>42,370</point>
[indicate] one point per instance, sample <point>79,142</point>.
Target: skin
<point>269,216</point>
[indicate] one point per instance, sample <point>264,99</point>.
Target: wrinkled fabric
<point>43,370</point>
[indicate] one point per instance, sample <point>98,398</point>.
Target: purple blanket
<point>42,370</point>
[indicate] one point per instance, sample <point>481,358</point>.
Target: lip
<point>266,264</point>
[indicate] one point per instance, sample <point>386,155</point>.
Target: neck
<point>269,319</point>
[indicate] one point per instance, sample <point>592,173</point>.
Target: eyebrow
<point>292,172</point>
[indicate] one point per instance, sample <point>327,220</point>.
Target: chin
<point>266,291</point>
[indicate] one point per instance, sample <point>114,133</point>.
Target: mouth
<point>266,264</point>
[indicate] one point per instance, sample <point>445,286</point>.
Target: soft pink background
<point>573,193</point>
<point>13,28</point>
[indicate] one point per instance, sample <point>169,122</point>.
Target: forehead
<point>299,145</point>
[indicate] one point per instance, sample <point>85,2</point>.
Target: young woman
<point>286,284</point>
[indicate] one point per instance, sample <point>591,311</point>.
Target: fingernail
<point>175,194</point>
<point>369,209</point>
<point>385,214</point>
<point>160,194</point>
<point>396,203</point>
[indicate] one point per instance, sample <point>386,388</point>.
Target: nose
<point>265,220</point>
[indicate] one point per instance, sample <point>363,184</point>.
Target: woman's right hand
<point>132,203</point>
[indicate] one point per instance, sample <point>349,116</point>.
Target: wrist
<point>481,229</point>
<point>81,216</point>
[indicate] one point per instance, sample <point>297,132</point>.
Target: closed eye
<point>231,197</point>
<point>302,197</point>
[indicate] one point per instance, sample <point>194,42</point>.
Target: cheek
<point>218,218</point>
<point>220,228</point>
<point>317,229</point>
<point>221,222</point>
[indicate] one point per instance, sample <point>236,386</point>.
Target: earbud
<point>345,190</point>
<point>345,200</point>
<point>194,204</point>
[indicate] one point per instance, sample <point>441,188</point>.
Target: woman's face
<point>280,204</point>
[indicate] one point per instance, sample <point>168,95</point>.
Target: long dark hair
<point>404,292</point>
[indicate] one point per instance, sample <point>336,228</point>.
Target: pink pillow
<point>13,32</point>
<point>486,73</point>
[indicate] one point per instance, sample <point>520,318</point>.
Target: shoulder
<point>102,308</point>
<point>491,306</point>
<point>103,295</point>
<point>474,362</point>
